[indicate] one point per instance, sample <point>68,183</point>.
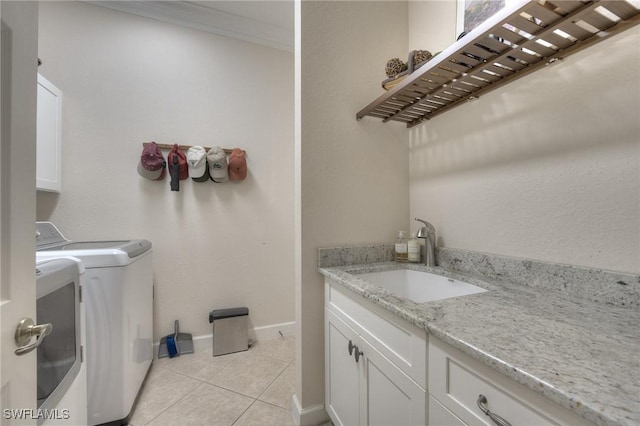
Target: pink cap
<point>152,164</point>
<point>237,165</point>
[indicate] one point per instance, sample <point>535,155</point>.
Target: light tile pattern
<point>254,387</point>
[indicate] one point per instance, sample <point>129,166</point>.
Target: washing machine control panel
<point>48,235</point>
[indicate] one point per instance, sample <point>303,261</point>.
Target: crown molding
<point>207,18</point>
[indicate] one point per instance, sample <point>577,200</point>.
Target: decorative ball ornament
<point>394,67</point>
<point>420,56</point>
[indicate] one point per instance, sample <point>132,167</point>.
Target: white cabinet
<point>391,397</point>
<point>343,374</point>
<point>457,382</point>
<point>379,367</point>
<point>49,137</point>
<point>363,385</point>
<point>440,416</point>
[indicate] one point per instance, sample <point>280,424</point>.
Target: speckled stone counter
<point>580,353</point>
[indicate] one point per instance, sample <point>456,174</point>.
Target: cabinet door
<point>392,398</point>
<point>403,344</point>
<point>342,373</point>
<point>49,137</point>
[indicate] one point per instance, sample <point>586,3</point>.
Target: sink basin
<point>420,286</point>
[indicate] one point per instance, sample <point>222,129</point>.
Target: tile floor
<point>246,388</point>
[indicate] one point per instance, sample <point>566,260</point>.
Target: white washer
<point>62,374</point>
<point>119,317</point>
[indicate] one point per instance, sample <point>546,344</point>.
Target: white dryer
<point>119,317</point>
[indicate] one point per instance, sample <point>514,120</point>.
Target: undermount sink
<point>420,286</point>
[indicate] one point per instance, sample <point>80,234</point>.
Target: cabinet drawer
<point>457,380</point>
<point>402,343</point>
<point>440,416</point>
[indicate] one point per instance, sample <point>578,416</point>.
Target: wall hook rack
<point>185,147</point>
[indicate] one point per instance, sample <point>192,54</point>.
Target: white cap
<point>197,162</point>
<point>218,166</point>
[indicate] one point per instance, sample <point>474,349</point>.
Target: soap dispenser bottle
<point>401,248</point>
<point>413,249</point>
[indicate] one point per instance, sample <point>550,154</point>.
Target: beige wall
<point>127,80</point>
<point>354,181</point>
<point>432,24</point>
<point>547,167</point>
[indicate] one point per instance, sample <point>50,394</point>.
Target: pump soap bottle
<point>413,249</point>
<point>401,247</point>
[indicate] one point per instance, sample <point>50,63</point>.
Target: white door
<point>18,76</point>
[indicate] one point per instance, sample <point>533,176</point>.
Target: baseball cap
<point>151,164</point>
<point>217,159</point>
<point>182,161</point>
<point>237,165</point>
<point>197,162</point>
<point>177,167</point>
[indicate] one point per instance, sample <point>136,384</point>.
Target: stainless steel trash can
<point>230,330</point>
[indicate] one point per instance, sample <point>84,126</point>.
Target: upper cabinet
<point>521,38</point>
<point>49,137</point>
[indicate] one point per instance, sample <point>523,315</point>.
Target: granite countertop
<point>582,354</point>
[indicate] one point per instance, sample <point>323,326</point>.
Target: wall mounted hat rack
<point>185,147</point>
<point>200,163</point>
<point>516,41</point>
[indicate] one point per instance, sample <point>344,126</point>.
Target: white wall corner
<point>309,416</point>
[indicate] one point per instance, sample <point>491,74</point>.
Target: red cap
<point>182,161</point>
<point>237,165</point>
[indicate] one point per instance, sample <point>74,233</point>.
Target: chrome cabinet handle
<point>482,404</point>
<point>351,347</point>
<point>26,330</point>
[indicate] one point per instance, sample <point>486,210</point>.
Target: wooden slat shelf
<point>516,41</point>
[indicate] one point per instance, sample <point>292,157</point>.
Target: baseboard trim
<point>273,331</point>
<point>309,416</point>
<point>205,342</point>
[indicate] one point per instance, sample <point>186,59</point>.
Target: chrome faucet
<point>428,232</point>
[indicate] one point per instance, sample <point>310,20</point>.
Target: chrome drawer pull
<point>482,401</point>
